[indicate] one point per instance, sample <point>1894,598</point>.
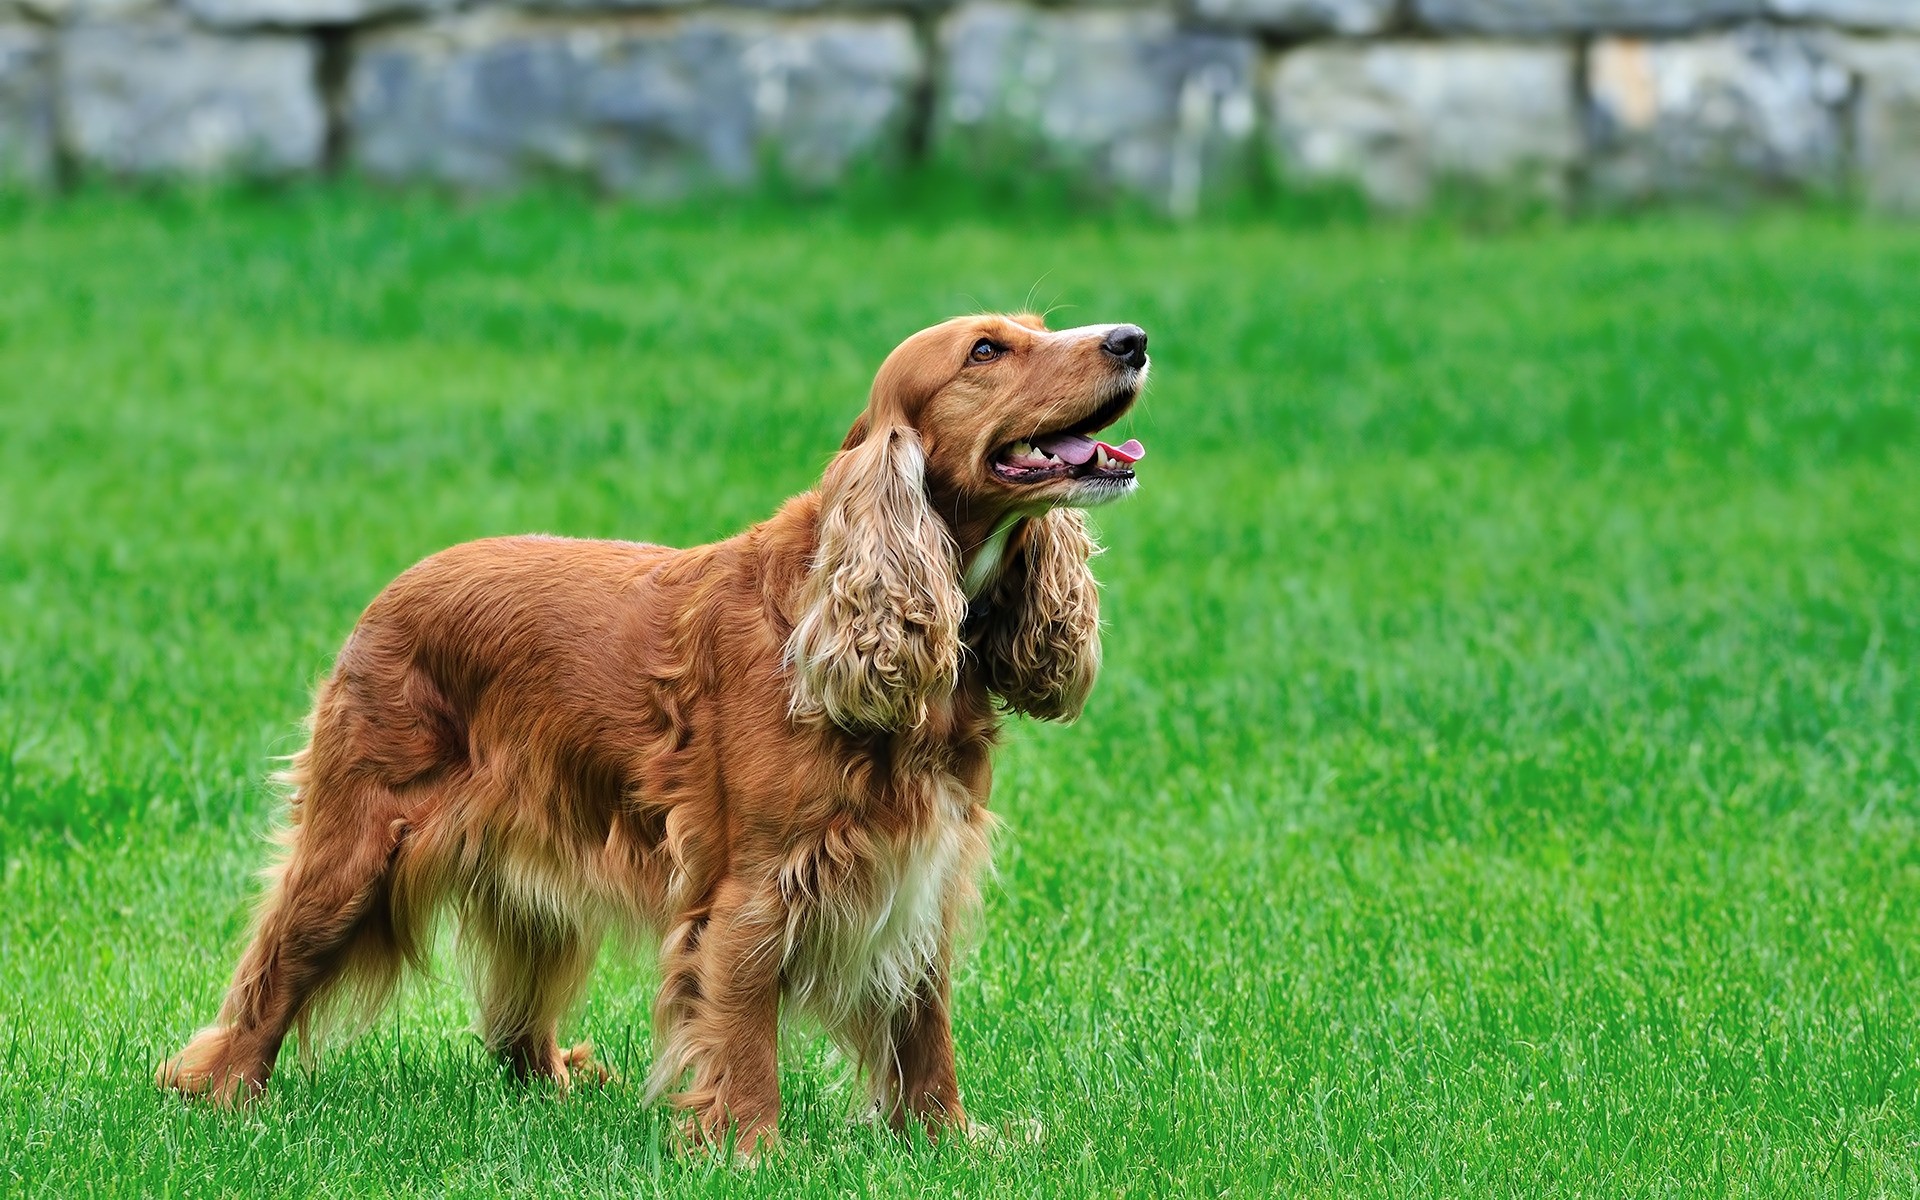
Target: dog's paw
<point>207,1069</point>
<point>578,1065</point>
<point>711,1131</point>
<point>536,1062</point>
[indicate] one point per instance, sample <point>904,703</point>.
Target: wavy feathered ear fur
<point>879,630</point>
<point>1041,648</point>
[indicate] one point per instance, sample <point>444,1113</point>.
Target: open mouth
<point>1070,453</point>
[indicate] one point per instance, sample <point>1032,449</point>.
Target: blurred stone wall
<point>1560,98</point>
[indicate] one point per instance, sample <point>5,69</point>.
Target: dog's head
<point>976,428</point>
<point>1005,412</point>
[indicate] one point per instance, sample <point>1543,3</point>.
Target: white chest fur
<point>985,563</point>
<point>865,948</point>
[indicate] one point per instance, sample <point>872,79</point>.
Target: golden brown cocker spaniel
<point>770,753</point>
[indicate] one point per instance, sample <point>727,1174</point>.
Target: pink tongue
<point>1071,447</point>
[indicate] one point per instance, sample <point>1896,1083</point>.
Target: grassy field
<point>1504,780</point>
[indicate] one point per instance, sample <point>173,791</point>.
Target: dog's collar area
<point>985,563</point>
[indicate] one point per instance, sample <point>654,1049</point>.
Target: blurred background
<point>1562,101</point>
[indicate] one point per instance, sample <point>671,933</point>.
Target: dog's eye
<point>985,350</point>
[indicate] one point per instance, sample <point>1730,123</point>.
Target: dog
<point>770,753</point>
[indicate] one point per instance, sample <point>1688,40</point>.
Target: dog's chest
<point>868,943</point>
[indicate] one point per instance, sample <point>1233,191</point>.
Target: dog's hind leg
<point>326,921</point>
<point>528,970</point>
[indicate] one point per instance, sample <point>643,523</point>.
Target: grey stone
<point>653,107</point>
<point>1400,117</point>
<point>782,6</point>
<point>26,105</point>
<point>1348,17</point>
<point>1127,95</point>
<point>232,14</point>
<point>1855,14</point>
<point>70,12</point>
<point>592,7</point>
<point>1886,116</point>
<point>1579,16</point>
<point>1758,108</point>
<point>158,96</point>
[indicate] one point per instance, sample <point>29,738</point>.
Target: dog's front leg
<point>723,1019</point>
<point>919,1080</point>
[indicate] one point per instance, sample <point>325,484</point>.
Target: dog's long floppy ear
<point>1041,648</point>
<point>879,627</point>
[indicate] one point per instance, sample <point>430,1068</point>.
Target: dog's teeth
<point>1100,458</point>
<point>1020,450</point>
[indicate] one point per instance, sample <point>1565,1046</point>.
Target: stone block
<point>26,105</point>
<point>1299,17</point>
<point>73,12</point>
<point>1759,108</point>
<point>1533,17</point>
<point>655,106</point>
<point>1852,14</point>
<point>158,96</point>
<point>1126,95</point>
<point>586,8</point>
<point>862,7</point>
<point>1886,116</point>
<point>1400,117</point>
<point>236,14</point>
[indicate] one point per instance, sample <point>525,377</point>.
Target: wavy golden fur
<point>770,755</point>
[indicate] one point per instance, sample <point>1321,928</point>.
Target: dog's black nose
<point>1128,343</point>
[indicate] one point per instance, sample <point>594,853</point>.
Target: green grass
<point>1504,779</point>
